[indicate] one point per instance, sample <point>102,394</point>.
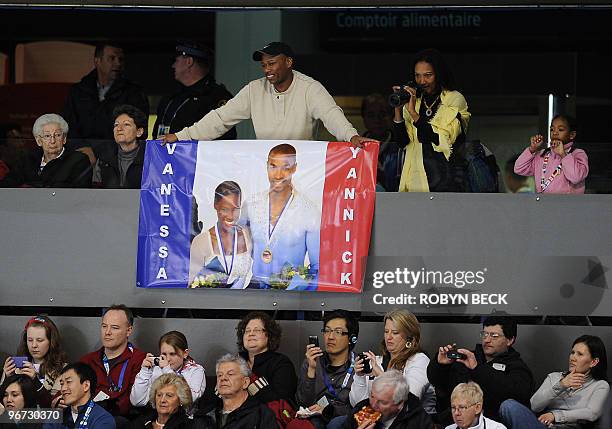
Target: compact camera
<point>402,96</point>
<point>156,360</point>
<point>454,355</point>
<point>367,367</point>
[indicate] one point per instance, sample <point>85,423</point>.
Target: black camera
<point>367,368</point>
<point>314,340</point>
<point>402,96</point>
<point>454,354</point>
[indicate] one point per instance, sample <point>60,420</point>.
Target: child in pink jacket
<point>560,168</point>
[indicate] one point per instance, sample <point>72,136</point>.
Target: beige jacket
<point>289,115</point>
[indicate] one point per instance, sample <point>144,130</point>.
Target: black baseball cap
<point>274,49</point>
<point>192,49</point>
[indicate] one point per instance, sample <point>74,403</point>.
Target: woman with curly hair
<point>41,343</point>
<point>431,124</point>
<point>258,337</point>
<point>401,350</point>
<point>170,399</point>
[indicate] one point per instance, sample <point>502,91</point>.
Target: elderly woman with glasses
<point>273,375</point>
<point>54,166</point>
<point>466,407</point>
<point>170,398</point>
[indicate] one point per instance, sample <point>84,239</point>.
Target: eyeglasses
<point>462,408</point>
<point>492,335</point>
<point>255,331</point>
<point>338,332</point>
<point>48,137</point>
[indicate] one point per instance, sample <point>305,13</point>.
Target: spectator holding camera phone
<point>560,168</point>
<point>326,376</point>
<point>401,350</point>
<point>173,359</point>
<point>41,357</point>
<point>494,365</point>
<point>430,120</point>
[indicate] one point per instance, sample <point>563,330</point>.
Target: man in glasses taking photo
<point>325,377</point>
<point>494,364</point>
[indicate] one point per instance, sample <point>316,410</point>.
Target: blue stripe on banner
<point>165,214</point>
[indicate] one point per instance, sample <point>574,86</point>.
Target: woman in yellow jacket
<point>430,124</point>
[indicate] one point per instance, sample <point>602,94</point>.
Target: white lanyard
<point>234,248</point>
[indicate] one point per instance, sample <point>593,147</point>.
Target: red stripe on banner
<point>346,218</point>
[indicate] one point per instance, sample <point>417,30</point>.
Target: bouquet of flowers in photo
<point>210,280</point>
<point>291,273</point>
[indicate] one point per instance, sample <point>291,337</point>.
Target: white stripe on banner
<point>301,213</point>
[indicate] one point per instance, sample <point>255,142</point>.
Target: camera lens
<point>399,98</point>
<point>156,361</point>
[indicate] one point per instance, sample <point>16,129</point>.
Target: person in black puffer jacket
<point>494,365</point>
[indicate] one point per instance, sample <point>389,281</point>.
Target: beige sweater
<point>288,115</point>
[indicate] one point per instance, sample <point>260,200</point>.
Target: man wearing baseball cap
<point>198,93</point>
<point>283,105</point>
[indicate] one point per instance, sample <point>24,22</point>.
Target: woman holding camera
<point>173,359</point>
<point>401,350</point>
<point>432,122</point>
<point>42,346</point>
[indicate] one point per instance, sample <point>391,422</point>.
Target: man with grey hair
<point>53,165</point>
<point>235,409</point>
<point>398,408</point>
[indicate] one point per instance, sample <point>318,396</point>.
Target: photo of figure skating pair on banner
<point>281,215</point>
<point>269,238</point>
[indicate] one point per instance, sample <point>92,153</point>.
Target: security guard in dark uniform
<point>199,92</point>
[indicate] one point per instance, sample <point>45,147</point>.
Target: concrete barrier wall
<point>551,254</point>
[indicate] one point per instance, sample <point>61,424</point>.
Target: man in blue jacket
<point>78,381</point>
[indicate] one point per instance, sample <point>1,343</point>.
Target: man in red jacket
<point>117,362</point>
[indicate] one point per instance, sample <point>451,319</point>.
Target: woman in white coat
<point>401,350</point>
<point>174,358</point>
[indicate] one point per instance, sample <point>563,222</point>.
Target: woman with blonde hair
<point>401,350</point>
<point>466,407</point>
<point>170,398</point>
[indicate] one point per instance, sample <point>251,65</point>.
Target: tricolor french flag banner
<point>257,214</point>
